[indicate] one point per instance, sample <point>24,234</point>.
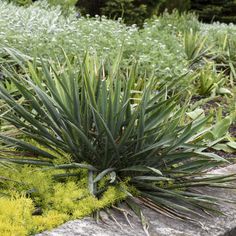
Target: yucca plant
<point>226,58</point>
<point>210,82</point>
<point>93,116</point>
<point>195,46</point>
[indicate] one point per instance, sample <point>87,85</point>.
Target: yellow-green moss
<point>48,220</point>
<point>66,197</point>
<point>15,215</point>
<point>60,201</point>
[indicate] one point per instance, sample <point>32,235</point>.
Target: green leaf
<point>232,145</point>
<point>224,91</point>
<point>221,128</point>
<point>102,174</point>
<point>152,178</point>
<point>196,113</point>
<point>223,147</point>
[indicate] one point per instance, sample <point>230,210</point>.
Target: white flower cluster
<point>158,46</point>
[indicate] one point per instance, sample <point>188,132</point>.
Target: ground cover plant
<point>95,111</point>
<point>35,202</point>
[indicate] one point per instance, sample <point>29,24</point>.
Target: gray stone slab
<point>224,225</point>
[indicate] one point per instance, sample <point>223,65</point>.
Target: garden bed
<point>95,113</point>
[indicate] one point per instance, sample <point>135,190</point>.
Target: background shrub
<point>137,11</point>
<point>132,11</point>
<point>180,5</point>
<point>215,10</point>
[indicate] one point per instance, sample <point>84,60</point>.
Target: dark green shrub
<point>132,11</point>
<point>126,9</point>
<point>215,10</point>
<point>170,5</point>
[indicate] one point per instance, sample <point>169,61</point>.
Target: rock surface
<point>159,225</point>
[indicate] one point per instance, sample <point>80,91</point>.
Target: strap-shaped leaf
<point>102,174</point>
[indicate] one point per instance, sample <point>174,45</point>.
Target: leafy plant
<point>221,10</point>
<point>65,5</point>
<point>126,10</point>
<point>132,11</point>
<point>212,82</point>
<point>227,58</point>
<point>21,2</point>
<point>194,45</point>
<point>180,5</point>
<point>93,116</point>
<point>220,137</point>
<point>158,47</point>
